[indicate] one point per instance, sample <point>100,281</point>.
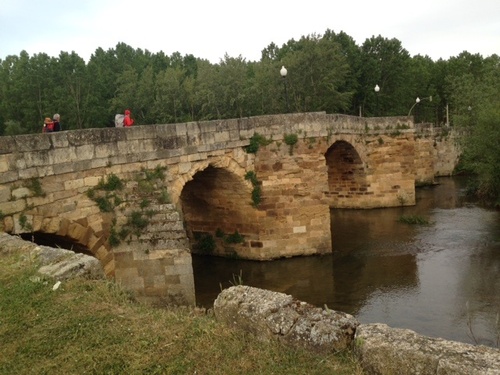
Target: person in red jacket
<point>127,121</point>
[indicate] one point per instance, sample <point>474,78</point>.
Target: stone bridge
<point>142,199</point>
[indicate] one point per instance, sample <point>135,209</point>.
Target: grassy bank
<point>94,327</point>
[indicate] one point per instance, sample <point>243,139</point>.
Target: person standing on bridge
<point>127,120</point>
<point>57,125</point>
<point>48,125</point>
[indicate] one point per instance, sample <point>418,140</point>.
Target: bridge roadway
<point>142,199</point>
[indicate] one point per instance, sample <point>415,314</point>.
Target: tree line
<point>327,72</point>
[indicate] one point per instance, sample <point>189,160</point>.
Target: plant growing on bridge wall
<point>234,238</point>
<point>35,186</point>
<point>291,140</point>
<point>23,222</point>
<point>205,243</point>
<point>256,141</point>
<point>311,141</point>
<point>107,201</point>
<point>256,192</point>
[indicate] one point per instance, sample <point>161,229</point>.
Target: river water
<point>440,280</point>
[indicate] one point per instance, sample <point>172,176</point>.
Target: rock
<point>58,263</point>
<point>272,315</point>
<point>64,264</point>
<point>385,350</point>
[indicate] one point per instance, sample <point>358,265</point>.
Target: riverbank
<point>94,326</point>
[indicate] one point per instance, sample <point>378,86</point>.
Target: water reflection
<point>437,280</point>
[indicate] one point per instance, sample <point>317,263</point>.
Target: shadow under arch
<point>54,240</point>
<point>74,236</point>
<point>216,205</point>
<point>347,175</point>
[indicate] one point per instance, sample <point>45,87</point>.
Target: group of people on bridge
<point>54,124</point>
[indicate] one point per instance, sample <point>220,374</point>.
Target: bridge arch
<point>216,205</point>
<point>65,232</point>
<point>347,173</point>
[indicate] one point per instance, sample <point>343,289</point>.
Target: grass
<point>94,327</point>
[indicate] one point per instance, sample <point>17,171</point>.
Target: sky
<point>210,29</point>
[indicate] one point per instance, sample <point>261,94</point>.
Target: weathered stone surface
<point>58,263</point>
<point>272,315</point>
<point>64,264</point>
<point>385,350</point>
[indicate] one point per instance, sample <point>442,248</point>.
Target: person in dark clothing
<point>57,125</point>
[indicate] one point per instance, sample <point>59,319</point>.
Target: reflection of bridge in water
<point>141,199</point>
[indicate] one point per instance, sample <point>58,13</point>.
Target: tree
<point>476,97</point>
<point>384,63</point>
<point>316,70</point>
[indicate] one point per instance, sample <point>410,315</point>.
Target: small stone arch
<point>76,231</point>
<point>347,175</point>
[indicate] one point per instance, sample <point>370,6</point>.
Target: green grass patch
<point>95,327</point>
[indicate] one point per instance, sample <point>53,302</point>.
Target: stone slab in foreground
<point>272,315</point>
<point>385,350</point>
<point>58,263</point>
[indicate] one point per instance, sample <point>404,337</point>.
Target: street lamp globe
<point>377,88</point>
<point>283,71</point>
<point>417,100</point>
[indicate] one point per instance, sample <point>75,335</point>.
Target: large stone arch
<point>216,203</point>
<point>347,174</point>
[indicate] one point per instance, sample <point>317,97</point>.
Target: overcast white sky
<point>211,28</point>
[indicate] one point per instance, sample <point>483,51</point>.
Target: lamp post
<point>283,73</point>
<point>377,89</point>
<point>418,100</point>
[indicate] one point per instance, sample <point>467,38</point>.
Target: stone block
<point>272,315</point>
<point>385,350</point>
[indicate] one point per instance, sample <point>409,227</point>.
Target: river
<point>440,280</point>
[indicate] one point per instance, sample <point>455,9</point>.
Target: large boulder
<point>272,315</point>
<point>385,350</point>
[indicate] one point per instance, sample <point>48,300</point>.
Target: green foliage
<point>104,203</point>
<point>156,174</point>
<point>237,279</point>
<point>328,72</point>
<point>2,215</point>
<point>291,140</point>
<point>234,238</point>
<point>137,221</point>
<point>112,183</point>
<point>219,233</point>
<point>476,93</point>
<point>256,191</point>
<point>256,195</point>
<point>23,222</point>
<point>114,239</point>
<point>143,339</point>
<point>205,243</point>
<point>256,141</point>
<point>145,203</point>
<point>35,186</point>
<point>163,197</point>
